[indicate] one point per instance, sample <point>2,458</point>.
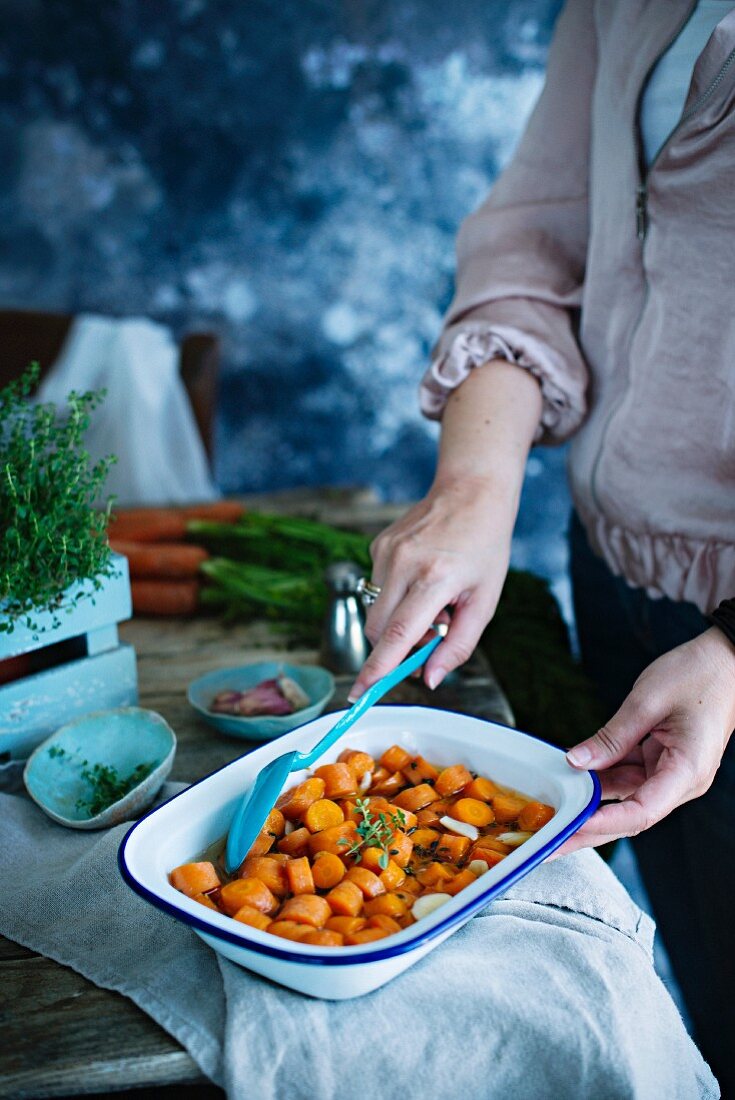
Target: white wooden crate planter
<point>80,664</point>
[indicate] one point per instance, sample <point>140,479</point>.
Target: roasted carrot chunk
<point>392,876</point>
<point>289,929</point>
<point>343,925</point>
<point>458,882</point>
<point>294,803</point>
<point>366,881</point>
<point>327,870</point>
<point>452,849</point>
<point>366,936</point>
<point>433,873</point>
<point>295,844</point>
<point>451,780</point>
<point>300,879</point>
<point>424,838</point>
<point>387,783</point>
<point>204,899</point>
<point>473,812</point>
<point>416,798</point>
<point>339,780</point>
<point>390,905</point>
<point>194,878</point>
<point>345,899</point>
<point>507,807</point>
<point>428,818</point>
<point>395,759</point>
<point>323,814</point>
<point>307,909</point>
<point>388,924</point>
<point>262,844</point>
<point>410,885</point>
<point>488,855</point>
<point>400,848</point>
<point>253,917</point>
<point>336,839</point>
<point>480,788</point>
<point>359,762</point>
<point>419,771</point>
<point>534,815</point>
<point>324,938</point>
<point>268,870</point>
<point>247,891</point>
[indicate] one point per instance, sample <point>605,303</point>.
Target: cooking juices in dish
<point>359,850</point>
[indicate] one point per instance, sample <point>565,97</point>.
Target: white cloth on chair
<point>145,420</point>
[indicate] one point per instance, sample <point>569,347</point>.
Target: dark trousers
<point>687,861</point>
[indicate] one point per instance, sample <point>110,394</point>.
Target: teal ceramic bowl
<point>122,738</point>
<point>316,682</point>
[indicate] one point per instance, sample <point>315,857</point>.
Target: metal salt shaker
<point>344,645</point>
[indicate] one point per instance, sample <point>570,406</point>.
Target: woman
<point>594,294</point>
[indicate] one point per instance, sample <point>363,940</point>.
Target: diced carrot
<point>368,935</point>
<point>339,780</point>
<point>534,815</point>
<point>480,788</point>
<point>487,854</point>
<point>415,798</point>
<point>409,886</point>
<point>452,779</point>
<point>336,839</point>
<point>507,808</point>
<point>300,879</point>
<point>295,802</point>
<point>366,881</point>
<point>385,922</point>
<point>404,818</point>
<point>327,870</point>
<point>388,784</point>
<point>324,938</point>
<point>322,814</point>
<point>390,905</point>
<point>165,597</point>
<point>275,823</point>
<point>420,771</point>
<point>359,762</point>
<point>350,811</point>
<point>273,827</point>
<point>400,848</point>
<point>493,845</point>
<point>343,925</point>
<point>295,844</point>
<point>261,845</point>
<point>452,849</point>
<point>429,817</point>
<point>370,858</point>
<point>407,897</point>
<point>247,891</point>
<point>307,909</point>
<point>194,878</point>
<point>379,775</point>
<point>269,871</point>
<point>166,559</point>
<point>345,899</point>
<point>424,838</point>
<point>280,857</point>
<point>458,882</point>
<point>248,915</point>
<point>473,812</point>
<point>204,899</point>
<point>433,873</point>
<point>288,929</point>
<point>392,876</point>
<point>395,759</point>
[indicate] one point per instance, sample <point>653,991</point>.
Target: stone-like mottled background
<point>289,174</point>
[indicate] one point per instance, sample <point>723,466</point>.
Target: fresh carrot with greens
<point>165,597</point>
<point>160,559</point>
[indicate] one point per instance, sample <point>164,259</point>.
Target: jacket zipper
<point>641,210</point>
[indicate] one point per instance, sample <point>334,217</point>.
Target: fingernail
<point>435,677</point>
<point>579,756</point>
<point>355,692</point>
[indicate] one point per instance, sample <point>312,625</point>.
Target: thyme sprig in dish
<point>375,831</point>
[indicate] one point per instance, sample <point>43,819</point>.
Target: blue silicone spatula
<point>259,801</point>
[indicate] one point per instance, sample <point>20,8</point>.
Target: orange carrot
<point>452,780</point>
<point>247,891</point>
<point>295,844</point>
<point>473,812</point>
<point>389,905</point>
<point>323,938</point>
<point>366,881</point>
<point>480,788</point>
<point>269,871</point>
<point>345,899</point>
<point>534,815</point>
<point>248,915</point>
<point>366,936</point>
<point>452,849</point>
<point>337,839</point>
<point>295,802</point>
<point>343,925</point>
<point>288,929</point>
<point>298,873</point>
<point>392,876</point>
<point>169,524</point>
<point>164,559</point>
<point>433,873</point>
<point>507,807</point>
<point>415,798</point>
<point>487,855</point>
<point>388,783</point>
<point>458,882</point>
<point>204,899</point>
<point>360,762</point>
<point>307,909</point>
<point>395,759</point>
<point>419,770</point>
<point>388,924</point>
<point>194,878</point>
<point>327,870</point>
<point>424,838</point>
<point>322,814</point>
<point>400,848</point>
<point>165,597</point>
<point>339,780</point>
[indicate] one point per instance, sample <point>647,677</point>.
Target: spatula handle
<point>371,696</point>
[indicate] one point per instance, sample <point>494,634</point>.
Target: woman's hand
<point>450,550</point>
<point>664,745</point>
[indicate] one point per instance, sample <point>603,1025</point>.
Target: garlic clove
<point>461,827</point>
<point>425,905</point>
<point>513,839</point>
<point>478,867</point>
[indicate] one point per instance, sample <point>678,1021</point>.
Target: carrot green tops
<point>612,281</point>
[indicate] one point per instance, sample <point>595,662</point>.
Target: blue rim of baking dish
<point>240,939</point>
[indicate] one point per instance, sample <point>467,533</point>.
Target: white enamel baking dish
<point>181,829</point>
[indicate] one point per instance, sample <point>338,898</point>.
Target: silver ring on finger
<point>368,591</point>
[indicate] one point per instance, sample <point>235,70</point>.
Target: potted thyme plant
<point>59,581</point>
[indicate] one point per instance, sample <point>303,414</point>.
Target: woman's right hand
<point>451,550</point>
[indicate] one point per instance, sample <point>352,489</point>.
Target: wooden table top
<point>62,1035</point>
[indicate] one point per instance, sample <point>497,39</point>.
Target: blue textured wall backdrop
<point>290,174</point>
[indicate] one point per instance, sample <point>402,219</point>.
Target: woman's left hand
<point>664,745</point>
